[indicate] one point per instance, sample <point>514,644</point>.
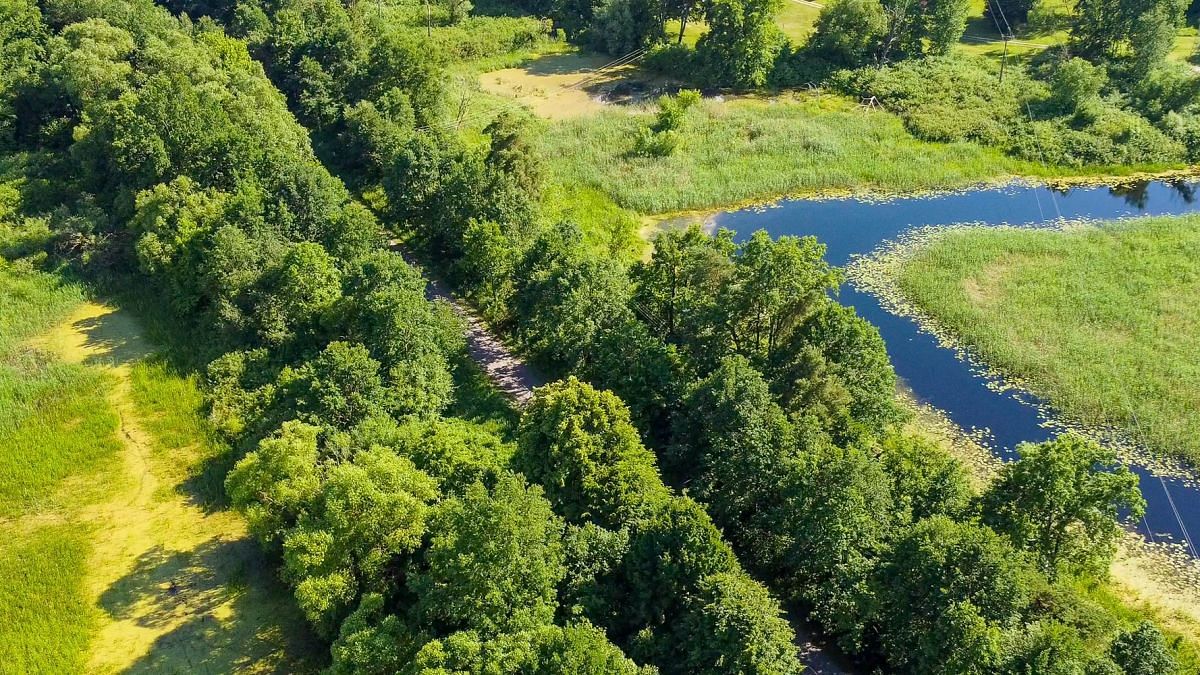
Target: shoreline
<point>876,273</point>
<point>654,222</point>
<point>1158,575</point>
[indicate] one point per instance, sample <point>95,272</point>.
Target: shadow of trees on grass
<point>222,608</point>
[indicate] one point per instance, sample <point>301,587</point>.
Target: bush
<point>677,61</point>
<point>848,31</point>
<point>1075,84</point>
<point>479,37</point>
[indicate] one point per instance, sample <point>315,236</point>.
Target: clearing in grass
<point>564,86</point>
<point>1100,320</point>
<point>114,553</point>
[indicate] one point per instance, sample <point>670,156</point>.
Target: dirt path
<point>516,379</point>
<point>511,375</point>
<point>179,588</point>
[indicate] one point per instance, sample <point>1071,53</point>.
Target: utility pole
<point>1004,59</point>
<point>428,21</point>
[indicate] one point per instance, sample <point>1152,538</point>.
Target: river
<point>936,374</point>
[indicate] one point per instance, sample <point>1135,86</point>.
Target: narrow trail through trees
<point>517,380</point>
<point>511,375</point>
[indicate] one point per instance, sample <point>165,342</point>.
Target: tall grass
<point>1102,321</point>
<point>54,421</point>
<point>31,301</point>
<point>745,150</point>
<point>45,623</point>
<point>187,452</point>
<point>54,424</point>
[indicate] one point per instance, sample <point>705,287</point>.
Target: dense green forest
<point>724,441</point>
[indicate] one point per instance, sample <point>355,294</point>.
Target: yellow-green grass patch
<point>45,620</point>
<point>1101,321</point>
<point>797,20</point>
<point>750,149</point>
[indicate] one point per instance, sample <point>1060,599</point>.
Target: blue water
<point>936,374</point>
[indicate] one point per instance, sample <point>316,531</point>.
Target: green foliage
<point>647,581</point>
<point>342,386</point>
<point>1142,651</point>
<point>1014,11</point>
<point>745,631</point>
<point>371,641</point>
<point>926,480</point>
<point>1064,124</point>
<point>662,138</point>
<point>622,26</point>
<point>834,522</point>
<point>835,370</point>
<point>368,514</point>
<point>494,561</point>
<point>455,452</point>
<point>565,303</point>
<point>1076,84</point>
<point>730,445</point>
<point>578,443</point>
<point>1104,29</point>
<point>915,29</point>
<point>848,32</point>
<point>1063,501</point>
<point>1053,647</point>
<point>206,188</point>
<point>298,293</point>
<point>741,44</point>
<point>947,589</point>
<point>275,484</point>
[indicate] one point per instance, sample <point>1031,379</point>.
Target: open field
<point>1101,321</point>
<point>1049,25</point>
<point>757,149</point>
<point>563,86</point>
<point>796,19</point>
<point>115,554</point>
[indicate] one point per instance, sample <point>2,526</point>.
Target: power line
<point>1187,537</point>
<point>1042,152</point>
<point>622,61</point>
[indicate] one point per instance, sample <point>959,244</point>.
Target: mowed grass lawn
<point>755,149</point>
<point>1103,321</point>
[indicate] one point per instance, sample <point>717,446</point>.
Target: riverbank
<point>752,151</point>
<point>1107,332</point>
<point>1148,580</point>
<point>705,217</point>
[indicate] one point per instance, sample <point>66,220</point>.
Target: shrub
<point>849,31</point>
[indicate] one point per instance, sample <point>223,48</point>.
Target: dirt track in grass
<point>180,587</point>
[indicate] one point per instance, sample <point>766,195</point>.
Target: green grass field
<point>46,622</point>
<point>1102,321</point>
<point>1049,25</point>
<point>54,426</point>
<point>752,149</point>
<point>51,426</point>
<point>110,491</point>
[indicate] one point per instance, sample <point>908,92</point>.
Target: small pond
<point>936,374</point>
